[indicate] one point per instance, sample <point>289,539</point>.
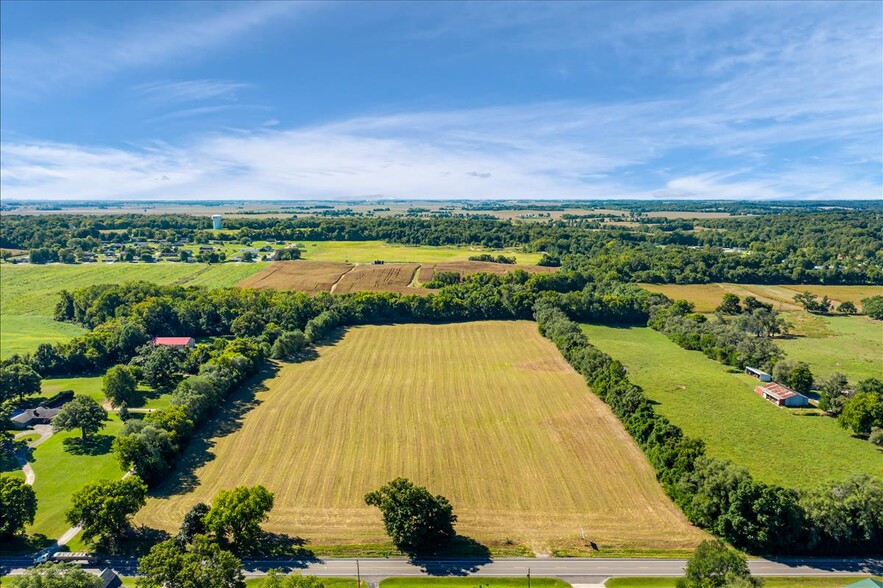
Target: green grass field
<point>368,251</point>
<point>487,414</point>
<point>851,345</point>
<point>768,582</point>
<point>710,402</point>
<point>328,582</point>
<point>30,293</point>
<point>60,471</point>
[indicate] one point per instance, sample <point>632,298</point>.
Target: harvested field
<point>379,278</point>
<point>465,268</point>
<point>707,297</point>
<point>307,276</point>
<point>487,414</point>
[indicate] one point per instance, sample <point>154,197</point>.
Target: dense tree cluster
<point>103,509</point>
<point>715,494</point>
<point>18,506</point>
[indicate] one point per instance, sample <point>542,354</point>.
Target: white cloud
<point>190,90</point>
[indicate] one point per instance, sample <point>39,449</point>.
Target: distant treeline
<point>834,247</point>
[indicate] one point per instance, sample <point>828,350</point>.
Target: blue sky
<point>441,100</point>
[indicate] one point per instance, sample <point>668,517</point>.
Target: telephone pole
<point>358,574</point>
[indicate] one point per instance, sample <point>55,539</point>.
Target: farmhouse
<point>27,418</point>
<point>176,342</point>
<point>781,395</point>
<point>762,376</point>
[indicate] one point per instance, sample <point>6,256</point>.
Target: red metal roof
<point>172,340</point>
<point>778,391</point>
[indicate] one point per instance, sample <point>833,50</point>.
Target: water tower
<point>216,222</point>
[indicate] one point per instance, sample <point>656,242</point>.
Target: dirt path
<point>336,282</point>
<point>45,431</point>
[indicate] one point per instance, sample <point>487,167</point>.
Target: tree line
<point>836,518</point>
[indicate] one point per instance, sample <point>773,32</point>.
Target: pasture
<point>30,293</point>
<point>487,414</point>
<point>707,400</point>
<point>707,297</point>
<point>851,345</point>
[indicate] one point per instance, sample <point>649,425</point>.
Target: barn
<point>782,395</point>
<point>176,342</point>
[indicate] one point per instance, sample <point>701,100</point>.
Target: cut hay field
<point>707,297</point>
<point>369,251</point>
<point>307,276</point>
<point>391,277</point>
<point>710,402</point>
<point>466,268</point>
<point>30,292</point>
<point>488,414</point>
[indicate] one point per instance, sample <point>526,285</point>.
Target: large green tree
<point>160,366</point>
<point>873,307</point>
<point>238,513</point>
<point>289,344</point>
<point>103,509</point>
<point>81,413</point>
<point>120,385</point>
<point>203,564</point>
<point>55,575</point>
<point>415,520</point>
<point>18,505</point>
<point>862,412</point>
<point>18,379</point>
<point>714,565</point>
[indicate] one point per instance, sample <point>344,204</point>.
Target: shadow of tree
<point>461,557</point>
<point>140,539</point>
<point>94,445</point>
<point>227,420</point>
<point>279,545</point>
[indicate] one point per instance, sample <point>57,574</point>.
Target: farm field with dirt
<point>711,402</point>
<point>369,251</point>
<point>488,414</point>
<point>707,297</point>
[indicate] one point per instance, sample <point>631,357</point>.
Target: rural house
<point>176,342</point>
<point>762,376</point>
<point>29,417</point>
<point>781,395</point>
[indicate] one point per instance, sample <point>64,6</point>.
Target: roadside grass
<point>487,414</point>
<point>711,402</point>
<point>327,582</point>
<point>768,582</point>
<point>30,293</point>
<point>851,345</point>
<point>472,582</point>
<point>62,467</point>
<point>368,251</point>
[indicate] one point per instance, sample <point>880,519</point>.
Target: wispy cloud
<point>190,90</point>
<point>81,56</point>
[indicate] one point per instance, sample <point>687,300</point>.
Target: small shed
<point>176,342</point>
<point>782,395</point>
<point>760,375</point>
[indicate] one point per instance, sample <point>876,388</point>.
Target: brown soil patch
<point>306,276</point>
<point>466,268</point>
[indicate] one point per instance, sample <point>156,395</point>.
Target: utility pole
<point>358,574</point>
<point>528,577</point>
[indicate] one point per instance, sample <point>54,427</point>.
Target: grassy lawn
<point>472,582</point>
<point>368,251</point>
<point>62,468</point>
<point>30,293</point>
<point>487,414</point>
<point>851,345</point>
<point>768,582</point>
<point>710,402</point>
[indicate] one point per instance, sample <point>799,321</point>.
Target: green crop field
<point>368,251</point>
<point>851,345</point>
<point>710,402</point>
<point>488,414</point>
<point>30,293</point>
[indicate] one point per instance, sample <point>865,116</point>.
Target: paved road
<point>573,570</point>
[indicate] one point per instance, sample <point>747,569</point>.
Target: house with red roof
<point>781,395</point>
